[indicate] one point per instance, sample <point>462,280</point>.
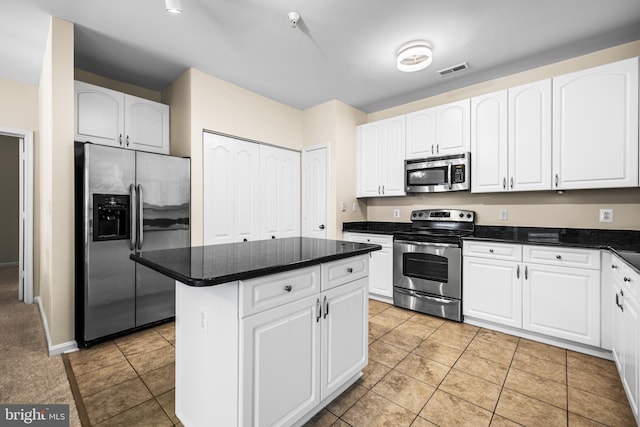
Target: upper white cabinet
<point>438,131</point>
<point>107,117</point>
<point>380,157</point>
<point>595,127</point>
<point>511,139</point>
<point>251,191</point>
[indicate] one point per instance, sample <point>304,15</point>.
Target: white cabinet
<point>251,191</point>
<point>492,286</point>
<point>554,291</point>
<point>511,139</point>
<point>107,117</point>
<point>438,131</point>
<point>380,153</point>
<point>595,127</point>
<point>380,265</point>
<point>280,189</point>
<point>626,329</point>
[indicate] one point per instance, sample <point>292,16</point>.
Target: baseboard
<point>9,264</point>
<point>54,350</point>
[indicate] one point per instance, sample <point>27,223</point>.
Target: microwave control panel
<point>458,174</point>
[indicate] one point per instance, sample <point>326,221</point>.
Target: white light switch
<point>343,206</point>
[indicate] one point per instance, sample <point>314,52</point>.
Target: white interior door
<point>315,172</point>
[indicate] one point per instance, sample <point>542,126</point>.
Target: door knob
<point>321,227</point>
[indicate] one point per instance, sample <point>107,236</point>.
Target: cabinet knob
<point>288,288</point>
<point>614,266</point>
<point>558,256</point>
<point>244,240</point>
<point>504,183</point>
<point>273,237</point>
<point>349,270</point>
<point>511,182</point>
<point>627,279</point>
<point>490,250</point>
<point>321,227</point>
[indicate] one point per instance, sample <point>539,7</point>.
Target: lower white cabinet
<point>380,266</point>
<point>270,351</point>
<point>626,329</point>
<point>549,290</point>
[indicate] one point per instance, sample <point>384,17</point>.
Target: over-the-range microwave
<point>438,174</point>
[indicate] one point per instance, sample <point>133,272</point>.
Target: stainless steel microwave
<point>438,174</point>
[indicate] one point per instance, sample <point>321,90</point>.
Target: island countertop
<point>223,263</point>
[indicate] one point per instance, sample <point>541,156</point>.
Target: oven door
<point>433,268</point>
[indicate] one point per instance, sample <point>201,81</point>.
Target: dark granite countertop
<point>625,243</point>
<point>217,264</point>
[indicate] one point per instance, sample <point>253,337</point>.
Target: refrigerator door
<point>164,193</point>
<point>109,287</point>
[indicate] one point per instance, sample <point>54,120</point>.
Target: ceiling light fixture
<point>414,56</point>
<point>173,6</point>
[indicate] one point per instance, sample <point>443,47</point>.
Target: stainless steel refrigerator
<point>125,201</point>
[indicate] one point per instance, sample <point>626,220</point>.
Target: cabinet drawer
<point>260,294</point>
<point>376,239</point>
<point>504,251</point>
<point>344,271</point>
<point>625,276</point>
<point>562,256</point>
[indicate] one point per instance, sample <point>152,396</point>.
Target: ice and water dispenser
<point>111,215</point>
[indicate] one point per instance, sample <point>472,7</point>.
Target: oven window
<point>425,266</point>
<point>431,176</point>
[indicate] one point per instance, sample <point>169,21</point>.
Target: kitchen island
<point>267,332</point>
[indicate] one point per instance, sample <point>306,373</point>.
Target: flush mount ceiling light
<point>414,56</point>
<point>173,6</point>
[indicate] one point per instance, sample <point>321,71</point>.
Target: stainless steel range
<point>427,262</point>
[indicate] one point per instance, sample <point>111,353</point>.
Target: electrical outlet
<point>396,213</point>
<point>204,321</point>
<point>606,215</point>
<point>343,206</point>
<point>503,214</point>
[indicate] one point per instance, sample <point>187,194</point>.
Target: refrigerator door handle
<point>132,219</point>
<point>140,222</point>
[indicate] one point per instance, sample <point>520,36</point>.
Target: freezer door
<point>164,191</point>
<point>109,288</point>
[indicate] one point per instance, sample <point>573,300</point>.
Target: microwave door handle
<point>132,217</point>
<point>450,176</point>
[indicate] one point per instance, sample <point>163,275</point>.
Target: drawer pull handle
<point>490,250</point>
<point>349,270</point>
<point>614,266</point>
<point>558,256</point>
<point>288,288</point>
<point>627,279</point>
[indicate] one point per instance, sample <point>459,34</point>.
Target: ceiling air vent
<point>454,69</point>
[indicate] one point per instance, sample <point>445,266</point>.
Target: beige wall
<point>95,79</point>
<point>578,208</point>
<point>10,196</point>
<point>208,103</point>
<point>55,164</point>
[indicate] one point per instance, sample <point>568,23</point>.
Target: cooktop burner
<point>439,226</point>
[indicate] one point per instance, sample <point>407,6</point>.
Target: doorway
<point>16,249</point>
<point>315,186</point>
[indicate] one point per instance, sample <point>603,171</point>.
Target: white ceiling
<point>342,49</point>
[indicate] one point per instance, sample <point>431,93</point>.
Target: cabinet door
<point>146,125</point>
<point>381,272</point>
<point>219,189</point>
<point>99,115</point>
<point>344,334</point>
<point>368,162</point>
<point>562,302</point>
<point>453,128</point>
<point>393,157</point>
<point>280,364</point>
<point>489,143</point>
<point>630,352</point>
<point>246,189</point>
<point>530,137</point>
<point>421,134</point>
<point>280,183</point>
<point>595,127</point>
<point>492,290</point>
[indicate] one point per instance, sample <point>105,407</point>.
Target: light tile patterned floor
<point>422,371</point>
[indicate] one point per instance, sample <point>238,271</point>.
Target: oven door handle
<point>421,296</point>
<point>442,245</point>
